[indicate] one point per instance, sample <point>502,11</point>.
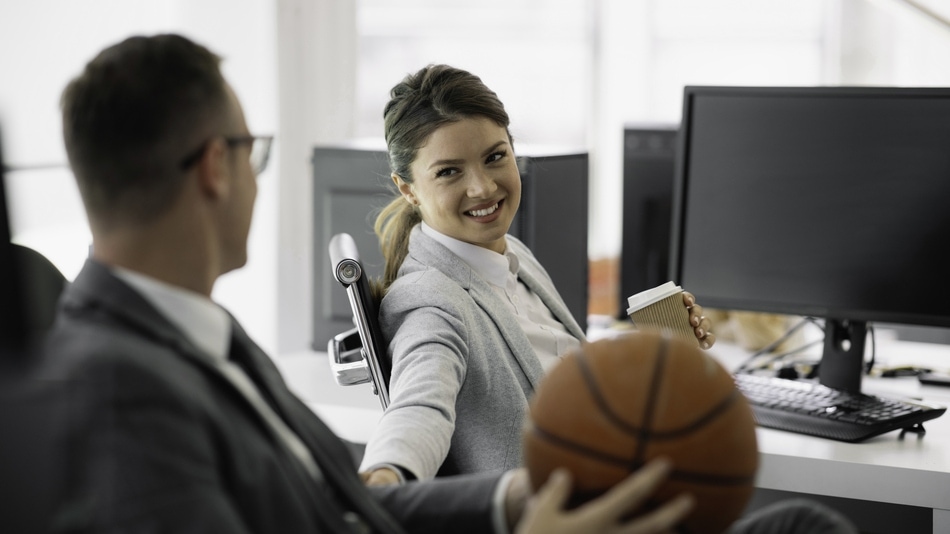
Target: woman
<point>473,319</point>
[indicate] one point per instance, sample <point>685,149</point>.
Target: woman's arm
<point>428,349</point>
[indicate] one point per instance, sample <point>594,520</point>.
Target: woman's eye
<point>448,171</point>
<point>495,157</point>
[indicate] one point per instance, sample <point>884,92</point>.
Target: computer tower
<point>553,223</point>
<point>350,186</point>
<point>352,183</point>
<point>649,153</point>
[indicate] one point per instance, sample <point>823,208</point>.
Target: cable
<point>870,363</point>
<point>746,367</point>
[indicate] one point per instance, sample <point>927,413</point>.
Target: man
<point>180,423</point>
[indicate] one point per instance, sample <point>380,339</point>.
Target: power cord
<point>746,366</point>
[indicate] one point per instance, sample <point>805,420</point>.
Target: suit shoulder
<point>423,282</point>
<point>94,353</point>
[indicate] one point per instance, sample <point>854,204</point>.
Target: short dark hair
<point>136,109</point>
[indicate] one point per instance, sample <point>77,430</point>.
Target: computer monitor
<point>553,222</point>
<point>817,201</point>
<point>351,183</point>
<point>649,152</point>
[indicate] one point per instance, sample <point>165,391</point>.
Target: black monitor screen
<point>821,201</point>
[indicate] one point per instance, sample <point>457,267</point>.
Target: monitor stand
<point>842,361</point>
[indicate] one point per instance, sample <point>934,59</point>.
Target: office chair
<point>358,356</point>
<point>42,285</point>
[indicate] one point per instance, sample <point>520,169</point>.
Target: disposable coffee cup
<point>662,308</point>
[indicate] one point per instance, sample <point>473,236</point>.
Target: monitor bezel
<point>681,176</point>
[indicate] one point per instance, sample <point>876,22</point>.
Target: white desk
<point>902,473</point>
<point>886,469</point>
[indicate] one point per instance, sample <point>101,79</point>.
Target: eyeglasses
<point>260,151</point>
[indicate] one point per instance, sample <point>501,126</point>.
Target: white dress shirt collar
<point>495,268</point>
<point>202,321</point>
<point>208,326</point>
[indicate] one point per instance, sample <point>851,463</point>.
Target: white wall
<point>569,72</point>
<point>317,49</point>
<point>47,42</point>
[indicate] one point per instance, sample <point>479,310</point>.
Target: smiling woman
<point>471,317</point>
<point>467,184</point>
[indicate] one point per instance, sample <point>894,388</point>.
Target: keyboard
<point>812,409</point>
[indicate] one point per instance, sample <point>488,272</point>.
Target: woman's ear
<point>405,189</point>
<point>213,175</point>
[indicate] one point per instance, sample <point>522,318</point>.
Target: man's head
<point>151,120</point>
<point>132,115</point>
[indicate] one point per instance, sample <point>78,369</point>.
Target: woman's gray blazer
<point>463,369</point>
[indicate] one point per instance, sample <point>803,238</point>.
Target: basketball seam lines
<point>683,476</point>
<point>708,417</point>
<point>576,447</point>
<point>651,400</point>
<point>592,388</point>
<point>643,433</point>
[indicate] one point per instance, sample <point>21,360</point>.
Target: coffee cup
<point>662,308</point>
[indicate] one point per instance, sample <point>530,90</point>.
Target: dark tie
<point>341,484</point>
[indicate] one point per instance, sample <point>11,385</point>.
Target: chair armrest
<point>345,353</point>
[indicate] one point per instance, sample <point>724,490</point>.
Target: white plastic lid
<point>645,298</point>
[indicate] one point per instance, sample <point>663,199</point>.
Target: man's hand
<point>545,512</point>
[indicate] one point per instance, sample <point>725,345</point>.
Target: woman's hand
<point>701,324</point>
<point>381,476</point>
<point>545,513</point>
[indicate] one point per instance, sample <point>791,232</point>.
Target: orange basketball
<point>612,406</point>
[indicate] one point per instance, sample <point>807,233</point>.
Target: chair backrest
<point>348,270</point>
<point>42,285</point>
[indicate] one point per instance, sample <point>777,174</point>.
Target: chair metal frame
<point>357,356</point>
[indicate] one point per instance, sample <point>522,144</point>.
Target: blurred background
<point>572,74</point>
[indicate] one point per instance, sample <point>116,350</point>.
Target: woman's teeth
<point>484,212</point>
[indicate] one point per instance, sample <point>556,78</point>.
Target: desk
<point>909,472</point>
<point>893,484</point>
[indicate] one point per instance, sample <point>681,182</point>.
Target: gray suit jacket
<point>463,369</point>
<point>159,441</point>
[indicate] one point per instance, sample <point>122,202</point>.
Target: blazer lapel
<point>508,325</point>
<point>429,251</point>
<point>97,287</point>
<point>553,302</point>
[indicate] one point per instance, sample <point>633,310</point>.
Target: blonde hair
<point>421,103</point>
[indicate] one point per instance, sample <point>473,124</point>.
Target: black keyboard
<point>816,410</point>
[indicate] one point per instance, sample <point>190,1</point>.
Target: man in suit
<point>178,422</point>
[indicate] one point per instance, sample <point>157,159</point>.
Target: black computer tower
<point>649,154</point>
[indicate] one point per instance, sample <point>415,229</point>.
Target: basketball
<point>613,405</point>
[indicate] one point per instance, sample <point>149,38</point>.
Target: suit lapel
<point>552,301</point>
<point>97,288</point>
<point>428,251</point>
